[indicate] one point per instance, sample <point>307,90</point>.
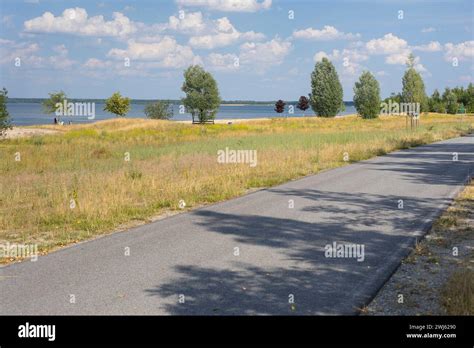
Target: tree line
<point>326,97</point>
<point>202,99</point>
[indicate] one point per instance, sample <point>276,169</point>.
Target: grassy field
<point>170,162</point>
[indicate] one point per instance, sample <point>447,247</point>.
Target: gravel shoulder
<point>420,286</point>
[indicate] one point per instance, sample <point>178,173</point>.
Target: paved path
<point>282,250</point>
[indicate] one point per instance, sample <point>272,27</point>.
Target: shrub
<point>159,110</point>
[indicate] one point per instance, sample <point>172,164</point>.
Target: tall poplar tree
<point>326,90</point>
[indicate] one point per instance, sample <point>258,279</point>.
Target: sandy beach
<point>20,132</point>
<point>232,120</point>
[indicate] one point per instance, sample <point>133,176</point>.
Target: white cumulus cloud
<point>326,34</point>
<point>389,44</point>
<point>262,55</point>
<point>224,62</point>
<point>228,5</point>
<point>433,46</point>
<point>461,51</point>
<point>77,21</point>
<point>192,22</point>
<point>165,53</point>
<point>223,33</point>
<point>350,58</point>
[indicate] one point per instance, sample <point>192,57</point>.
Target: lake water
<point>31,113</point>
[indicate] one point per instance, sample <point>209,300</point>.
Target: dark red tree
<point>280,106</point>
<point>303,104</point>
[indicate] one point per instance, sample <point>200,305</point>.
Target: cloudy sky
<point>257,49</point>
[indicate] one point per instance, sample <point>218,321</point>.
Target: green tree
<point>202,94</point>
<point>117,104</point>
<point>465,97</point>
<point>159,110</point>
<point>470,98</point>
<point>367,96</point>
<point>326,90</point>
<point>461,95</point>
<point>394,97</point>
<point>413,90</point>
<point>435,103</point>
<point>450,101</point>
<point>50,105</point>
<point>5,122</point>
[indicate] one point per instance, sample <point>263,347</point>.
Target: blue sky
<point>254,48</point>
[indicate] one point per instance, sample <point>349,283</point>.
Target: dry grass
<point>458,293</point>
<point>457,223</point>
<point>173,161</point>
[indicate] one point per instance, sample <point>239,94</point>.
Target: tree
<point>461,95</point>
<point>303,104</point>
<point>326,90</point>
<point>367,96</point>
<point>50,106</point>
<point>280,106</point>
<point>450,101</point>
<point>464,97</point>
<point>394,97</point>
<point>159,110</point>
<point>470,98</point>
<point>413,86</point>
<point>117,104</point>
<point>5,122</point>
<point>202,94</point>
<point>435,103</point>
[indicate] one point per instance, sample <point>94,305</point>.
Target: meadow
<point>90,180</point>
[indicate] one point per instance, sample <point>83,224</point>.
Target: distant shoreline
<point>171,101</point>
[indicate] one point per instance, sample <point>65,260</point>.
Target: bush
<point>159,110</point>
<point>367,96</point>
